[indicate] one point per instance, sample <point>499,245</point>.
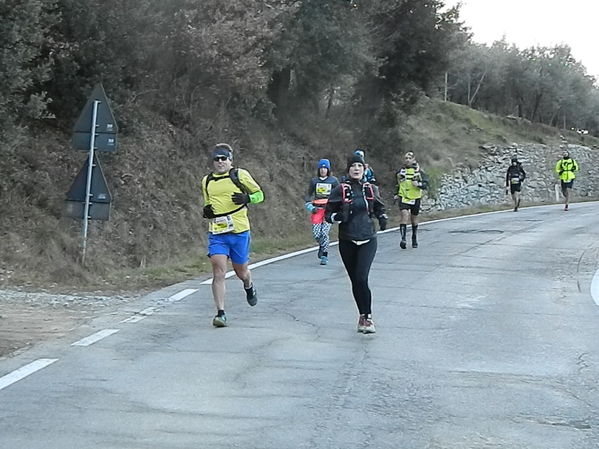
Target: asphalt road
<point>487,337</point>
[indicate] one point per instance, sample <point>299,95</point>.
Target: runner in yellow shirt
<point>227,192</point>
<point>566,169</point>
<point>411,180</point>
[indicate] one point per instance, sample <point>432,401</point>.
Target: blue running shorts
<point>235,246</point>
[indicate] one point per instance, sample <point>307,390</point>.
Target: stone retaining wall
<point>485,184</point>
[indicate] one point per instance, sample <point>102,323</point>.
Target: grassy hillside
<point>156,234</point>
<point>449,133</point>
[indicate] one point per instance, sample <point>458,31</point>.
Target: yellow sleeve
<point>558,167</point>
<point>246,179</point>
<point>204,192</point>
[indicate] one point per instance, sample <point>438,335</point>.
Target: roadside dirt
<point>28,318</point>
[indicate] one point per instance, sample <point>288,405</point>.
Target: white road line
<point>150,310</point>
<point>95,337</point>
<point>147,312</point>
<point>269,261</point>
<point>182,294</point>
<point>133,319</point>
<point>308,250</point>
<point>438,220</point>
<point>140,315</point>
<point>595,288</point>
<point>24,371</point>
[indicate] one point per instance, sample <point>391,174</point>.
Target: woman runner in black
<point>354,204</point>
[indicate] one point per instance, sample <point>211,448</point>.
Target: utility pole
<point>445,93</point>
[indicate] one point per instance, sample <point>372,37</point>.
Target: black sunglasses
<point>220,158</point>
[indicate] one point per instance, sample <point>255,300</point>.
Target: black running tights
<point>357,260</point>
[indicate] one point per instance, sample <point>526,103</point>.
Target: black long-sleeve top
<point>320,188</point>
<point>515,174</point>
<point>357,224</point>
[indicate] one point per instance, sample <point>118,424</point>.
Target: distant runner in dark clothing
<point>514,178</point>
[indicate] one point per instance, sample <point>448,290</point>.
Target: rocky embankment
<point>485,184</point>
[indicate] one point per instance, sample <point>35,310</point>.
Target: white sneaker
<point>366,325</point>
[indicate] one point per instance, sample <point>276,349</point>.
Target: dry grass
<point>156,235</point>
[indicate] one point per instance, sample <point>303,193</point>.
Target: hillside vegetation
<point>156,234</point>
<point>285,82</point>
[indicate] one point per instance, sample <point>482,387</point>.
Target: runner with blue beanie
<point>316,199</point>
<point>368,171</point>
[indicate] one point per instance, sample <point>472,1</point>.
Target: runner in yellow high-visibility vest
<point>566,169</point>
<point>411,180</point>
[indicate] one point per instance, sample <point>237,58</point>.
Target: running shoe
<point>361,324</point>
<point>320,252</point>
<point>403,244</point>
<point>220,321</point>
<point>414,243</point>
<point>251,296</point>
<point>324,260</point>
<point>566,207</point>
<point>368,326</point>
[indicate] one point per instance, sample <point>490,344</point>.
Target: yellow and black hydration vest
<point>347,197</point>
<point>218,190</point>
<point>233,175</point>
<point>566,169</point>
<point>405,188</point>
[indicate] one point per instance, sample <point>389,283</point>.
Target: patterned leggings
<point>320,231</point>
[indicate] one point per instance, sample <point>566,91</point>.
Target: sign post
<point>95,130</point>
<point>90,167</point>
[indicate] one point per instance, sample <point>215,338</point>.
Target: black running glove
<point>383,222</point>
<point>208,212</point>
<point>240,198</point>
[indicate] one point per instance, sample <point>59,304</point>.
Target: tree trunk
<point>535,109</point>
<point>330,100</point>
<point>278,88</point>
<point>480,82</point>
<point>469,87</point>
<point>445,92</point>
